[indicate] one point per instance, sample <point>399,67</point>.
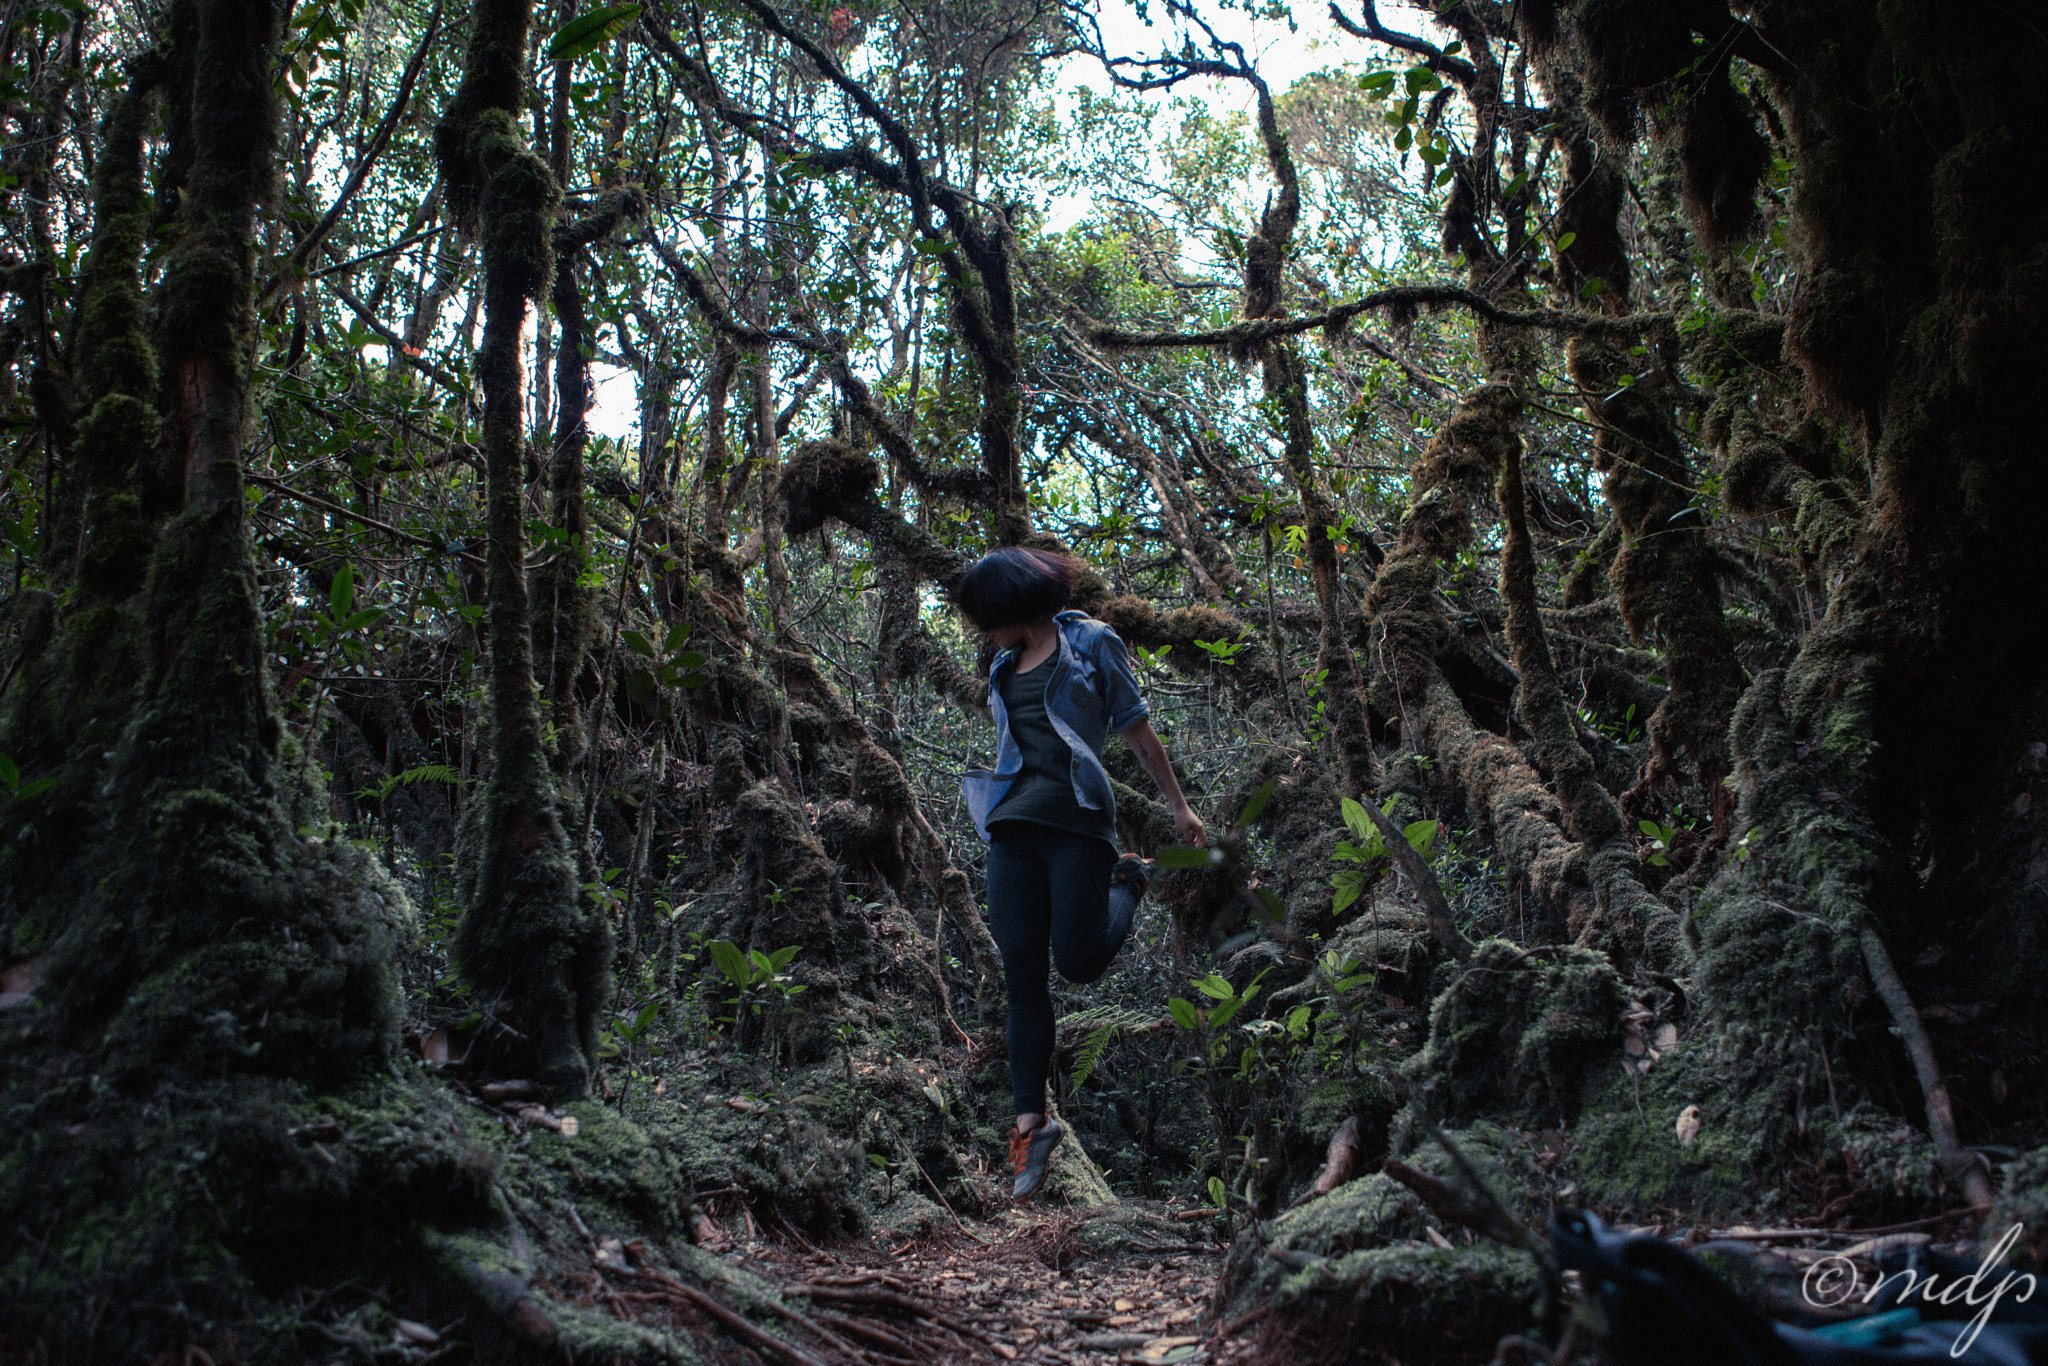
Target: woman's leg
<point>1090,919</point>
<point>1019,917</point>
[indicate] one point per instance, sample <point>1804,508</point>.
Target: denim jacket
<point>1092,692</point>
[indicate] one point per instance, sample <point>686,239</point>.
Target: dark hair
<point>1014,586</point>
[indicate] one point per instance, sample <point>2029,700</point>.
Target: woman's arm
<point>1144,742</point>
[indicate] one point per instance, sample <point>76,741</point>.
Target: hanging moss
<point>819,478</point>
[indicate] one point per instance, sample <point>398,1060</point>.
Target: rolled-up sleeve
<point>1127,706</point>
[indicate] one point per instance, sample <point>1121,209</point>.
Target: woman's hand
<point>1190,826</point>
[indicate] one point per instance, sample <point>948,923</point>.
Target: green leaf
<point>1345,888</point>
<point>1404,138</point>
<point>764,967</point>
<point>638,643</point>
<point>689,659</point>
<point>1256,807</point>
<point>1276,909</point>
<point>1355,819</point>
<point>1564,243</point>
<point>779,959</point>
<point>587,33</point>
<point>10,772</point>
<point>342,596</point>
<point>731,962</point>
<point>1188,856</point>
<point>1432,152</point>
<point>1593,288</point>
<point>1215,987</point>
<point>677,634</point>
<point>1650,828</point>
<point>29,789</point>
<point>1421,835</point>
<point>1514,187</point>
<point>1219,1194</point>
<point>1379,81</point>
<point>692,681</point>
<point>1184,1013</point>
<point>643,1020</point>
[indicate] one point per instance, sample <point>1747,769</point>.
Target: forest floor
<point>1031,1284</point>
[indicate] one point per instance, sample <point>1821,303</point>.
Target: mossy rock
<point>1628,1152</point>
<point>1377,1211</point>
<point>905,1216</point>
<point>1130,1227</point>
<point>1417,1305</point>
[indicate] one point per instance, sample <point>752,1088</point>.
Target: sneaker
<point>1029,1155</point>
<point>1135,873</point>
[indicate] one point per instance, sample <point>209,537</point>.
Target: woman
<point>1060,683</point>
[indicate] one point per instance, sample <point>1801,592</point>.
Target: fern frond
<point>1092,1050</point>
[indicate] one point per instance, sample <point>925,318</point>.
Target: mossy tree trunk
<point>537,950</point>
<point>211,971</point>
<point>1894,739</point>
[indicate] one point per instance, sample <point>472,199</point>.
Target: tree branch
<point>1374,31</point>
<point>295,264</point>
<point>1401,299</point>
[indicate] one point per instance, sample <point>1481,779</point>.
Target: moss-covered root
<point>883,818</point>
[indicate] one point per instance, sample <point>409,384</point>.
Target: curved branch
<point>1401,299</point>
<point>1374,31</point>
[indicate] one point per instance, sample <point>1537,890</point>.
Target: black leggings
<point>1049,892</point>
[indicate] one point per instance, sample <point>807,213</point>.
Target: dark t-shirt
<point>1043,793</point>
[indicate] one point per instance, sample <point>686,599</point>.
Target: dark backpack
<point>1664,1308</point>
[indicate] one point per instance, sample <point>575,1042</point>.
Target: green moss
<point>1415,1304</point>
<point>528,938</point>
<point>787,1163</point>
<point>619,1177</point>
<point>1517,1035</point>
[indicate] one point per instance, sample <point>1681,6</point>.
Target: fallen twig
<point>890,1299</point>
<point>1967,1169</point>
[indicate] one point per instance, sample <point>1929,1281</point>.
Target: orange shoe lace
<point>1020,1151</point>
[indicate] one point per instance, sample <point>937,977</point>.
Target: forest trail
<point>1113,1283</point>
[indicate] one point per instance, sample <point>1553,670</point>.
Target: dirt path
<point>1125,1283</point>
